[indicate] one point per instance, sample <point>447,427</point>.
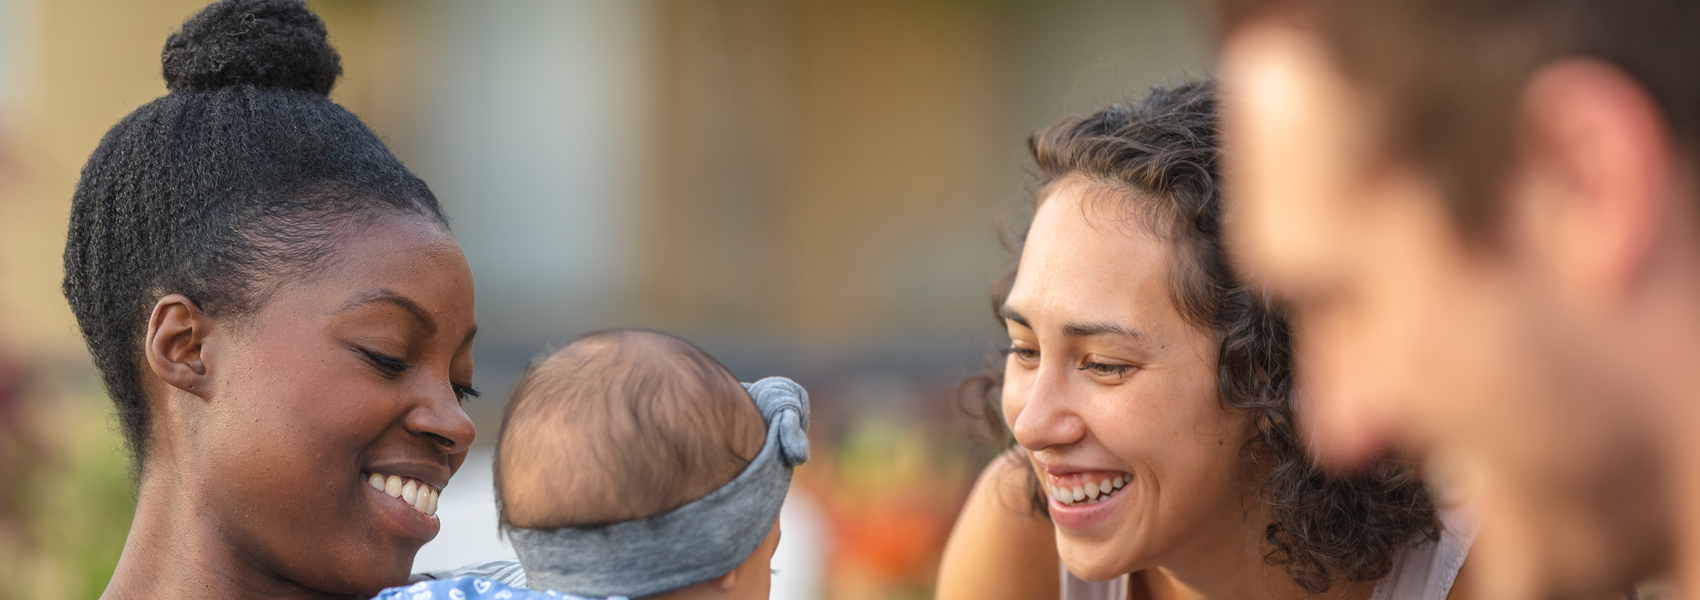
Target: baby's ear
<point>725,583</point>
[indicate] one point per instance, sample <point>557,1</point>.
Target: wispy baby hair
<point>617,425</point>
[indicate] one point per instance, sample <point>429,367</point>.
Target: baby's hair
<point>617,425</point>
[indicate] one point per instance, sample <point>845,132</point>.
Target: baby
<point>633,464</point>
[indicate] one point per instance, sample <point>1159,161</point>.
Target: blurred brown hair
<point>1157,158</point>
<point>1447,74</point>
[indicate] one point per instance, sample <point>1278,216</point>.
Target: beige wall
<point>96,60</point>
<point>816,154</point>
<point>820,170</point>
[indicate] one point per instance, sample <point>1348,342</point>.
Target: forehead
<point>1088,257</point>
<point>1297,147</point>
<point>411,257</point>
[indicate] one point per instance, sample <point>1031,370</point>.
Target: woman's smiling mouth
<point>1081,489</point>
<point>415,493</point>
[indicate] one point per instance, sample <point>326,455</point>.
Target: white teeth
<point>1092,492</point>
<point>415,493</point>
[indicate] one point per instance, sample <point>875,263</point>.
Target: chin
<point>363,575</point>
<point>1095,561</point>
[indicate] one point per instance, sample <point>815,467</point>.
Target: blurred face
<point>1113,394</point>
<point>1408,336</point>
<point>334,416</point>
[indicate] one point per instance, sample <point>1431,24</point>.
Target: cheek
<point>302,419</point>
<point>1176,434</point>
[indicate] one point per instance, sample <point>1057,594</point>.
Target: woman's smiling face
<point>1107,382</point>
<point>343,380</point>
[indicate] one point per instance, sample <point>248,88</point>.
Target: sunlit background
<point>808,188</point>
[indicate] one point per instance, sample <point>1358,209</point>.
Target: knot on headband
<point>703,539</point>
<point>785,407</point>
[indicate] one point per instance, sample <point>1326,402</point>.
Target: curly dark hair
<point>1162,150</point>
<point>226,187</point>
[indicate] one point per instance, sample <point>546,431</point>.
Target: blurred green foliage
<point>66,497</point>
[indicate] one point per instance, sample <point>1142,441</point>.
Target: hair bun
<point>262,43</point>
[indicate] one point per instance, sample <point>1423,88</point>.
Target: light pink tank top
<point>1424,572</point>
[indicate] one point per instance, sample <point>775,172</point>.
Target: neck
<point>177,550</point>
<point>1661,336</point>
<point>1233,566</point>
<point>1672,394</point>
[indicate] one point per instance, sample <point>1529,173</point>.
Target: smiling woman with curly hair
<point>1150,395</point>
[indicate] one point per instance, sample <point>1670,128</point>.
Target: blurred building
<point>804,187</point>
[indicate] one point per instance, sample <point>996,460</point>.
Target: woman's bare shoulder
<point>1000,548</point>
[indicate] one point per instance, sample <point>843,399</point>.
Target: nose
<point>1342,414</point>
<point>1042,408</point>
<point>440,419</point>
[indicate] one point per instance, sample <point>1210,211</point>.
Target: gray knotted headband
<point>691,544</point>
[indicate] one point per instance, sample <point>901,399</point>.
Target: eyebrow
<point>1079,329</point>
<point>389,296</point>
<point>1009,314</point>
<point>1091,329</point>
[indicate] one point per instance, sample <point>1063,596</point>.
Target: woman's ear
<point>174,344</point>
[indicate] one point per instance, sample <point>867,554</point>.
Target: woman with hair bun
<point>281,316</point>
<point>1150,395</point>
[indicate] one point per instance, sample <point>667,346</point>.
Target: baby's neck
<point>701,591</point>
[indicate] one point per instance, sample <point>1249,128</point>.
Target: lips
<point>415,493</point>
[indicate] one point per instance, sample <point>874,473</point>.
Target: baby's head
<point>622,425</point>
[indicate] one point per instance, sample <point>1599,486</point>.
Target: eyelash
<point>1095,367</point>
<point>390,365</point>
<point>1105,369</point>
<point>1026,353</point>
<point>393,367</point>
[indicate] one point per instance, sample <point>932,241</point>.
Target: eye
<point>1022,354</point>
<point>462,391</point>
<point>1107,370</point>
<point>390,366</point>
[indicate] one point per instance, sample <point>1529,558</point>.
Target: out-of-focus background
<point>808,188</point>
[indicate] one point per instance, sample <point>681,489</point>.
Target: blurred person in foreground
<point>632,464</point>
<point>1150,393</point>
<point>280,315</point>
<point>1486,218</point>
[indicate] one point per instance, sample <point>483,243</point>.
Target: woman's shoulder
<point>1000,546</point>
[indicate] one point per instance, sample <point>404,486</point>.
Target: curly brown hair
<point>1162,150</point>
